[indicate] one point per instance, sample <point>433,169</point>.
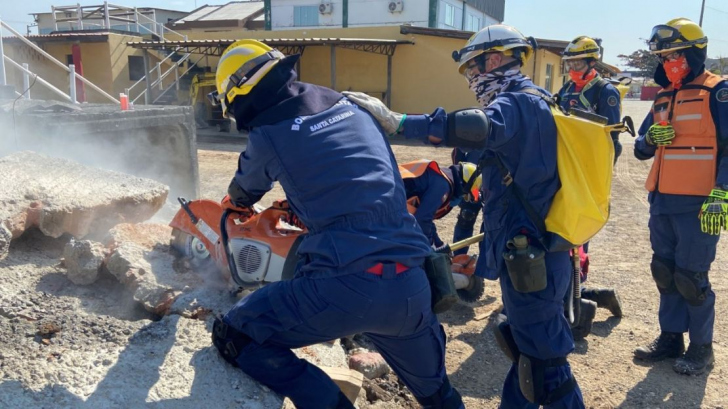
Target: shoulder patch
<point>722,95</point>
<point>612,101</point>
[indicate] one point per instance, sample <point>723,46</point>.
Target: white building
<point>468,15</point>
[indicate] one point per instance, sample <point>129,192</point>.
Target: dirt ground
<point>620,257</point>
<point>111,353</point>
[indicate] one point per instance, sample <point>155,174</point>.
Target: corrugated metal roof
<point>234,11</point>
<point>70,35</point>
<point>198,13</point>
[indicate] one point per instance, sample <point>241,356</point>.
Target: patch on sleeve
<point>612,101</point>
<point>722,95</point>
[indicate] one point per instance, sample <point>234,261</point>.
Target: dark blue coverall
<point>468,210</point>
<point>675,233</point>
<point>431,188</point>
<point>523,135</point>
<point>342,181</point>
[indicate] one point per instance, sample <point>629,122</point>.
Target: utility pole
<point>702,10</point>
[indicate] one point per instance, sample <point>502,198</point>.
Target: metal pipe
<point>3,79</point>
<point>465,243</point>
<point>26,81</point>
<point>176,76</point>
<point>333,67</point>
<point>159,76</point>
<point>136,20</point>
<point>389,81</point>
<point>55,22</point>
<point>183,74</point>
<point>39,79</point>
<point>72,84</point>
<point>148,91</point>
<point>79,16</point>
<point>58,63</point>
<point>107,22</point>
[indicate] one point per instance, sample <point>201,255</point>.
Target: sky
<point>621,24</point>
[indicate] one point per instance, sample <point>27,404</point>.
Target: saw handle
<point>186,207</point>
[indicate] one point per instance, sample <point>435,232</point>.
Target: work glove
<point>714,213</point>
<point>227,203</point>
<point>390,121</point>
<point>660,134</point>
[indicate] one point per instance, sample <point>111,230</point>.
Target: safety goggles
<point>495,45</point>
<point>472,70</point>
<point>581,52</point>
<point>575,65</point>
<point>663,37</point>
<point>673,56</point>
<point>250,72</point>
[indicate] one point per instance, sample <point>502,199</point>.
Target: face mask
<point>487,86</point>
<point>676,70</point>
<point>580,79</point>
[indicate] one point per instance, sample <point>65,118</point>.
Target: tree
<point>641,60</point>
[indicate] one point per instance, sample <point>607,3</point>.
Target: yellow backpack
<point>585,160</point>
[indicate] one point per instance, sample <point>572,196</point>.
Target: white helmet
<point>496,38</point>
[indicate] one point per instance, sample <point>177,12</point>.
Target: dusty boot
<point>696,360</point>
<point>605,298</point>
<point>667,345</point>
<point>586,318</point>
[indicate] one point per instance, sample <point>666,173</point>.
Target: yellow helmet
<point>677,34</point>
<point>582,47</point>
<point>468,171</point>
<point>495,38</point>
<point>241,67</point>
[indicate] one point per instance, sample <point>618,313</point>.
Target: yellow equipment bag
<point>585,160</point>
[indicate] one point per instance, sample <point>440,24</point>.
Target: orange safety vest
<point>416,169</point>
<point>687,166</point>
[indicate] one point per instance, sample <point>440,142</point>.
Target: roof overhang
<point>285,45</point>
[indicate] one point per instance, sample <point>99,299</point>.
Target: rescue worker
<point>686,132</point>
<point>516,129</point>
<point>362,257</point>
<point>588,91</point>
<point>468,214</point>
<point>432,192</point>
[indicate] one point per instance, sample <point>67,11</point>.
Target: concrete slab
<point>156,142</point>
<point>60,196</point>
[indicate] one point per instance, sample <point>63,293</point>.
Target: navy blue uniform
<point>468,210</point>
<point>523,136</point>
<point>432,189</point>
<point>676,236</point>
<point>341,180</point>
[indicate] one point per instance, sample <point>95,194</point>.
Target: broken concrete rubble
<point>60,196</point>
<point>83,260</point>
<point>370,364</point>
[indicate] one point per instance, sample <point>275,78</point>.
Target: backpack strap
<point>600,85</point>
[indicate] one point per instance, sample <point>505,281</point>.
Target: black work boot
<point>667,345</point>
<point>586,318</point>
<point>696,360</point>
<point>605,298</point>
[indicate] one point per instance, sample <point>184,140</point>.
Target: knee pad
<point>690,285</point>
<point>663,271</point>
<point>504,338</point>
<point>446,397</point>
<point>228,341</point>
<point>531,379</point>
<point>466,218</point>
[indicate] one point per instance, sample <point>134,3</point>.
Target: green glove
<point>390,121</point>
<point>714,212</point>
<point>660,134</point>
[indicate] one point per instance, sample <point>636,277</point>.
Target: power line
<point>715,9</point>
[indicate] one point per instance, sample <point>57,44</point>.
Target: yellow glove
<point>660,134</point>
<point>714,213</point>
<point>390,121</point>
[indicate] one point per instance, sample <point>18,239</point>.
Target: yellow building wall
<point>424,75</point>
<point>537,70</point>
<point>105,64</point>
<point>119,53</point>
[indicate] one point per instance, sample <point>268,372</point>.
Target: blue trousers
<point>677,237</point>
<point>466,223</point>
<point>393,310</point>
<point>541,331</point>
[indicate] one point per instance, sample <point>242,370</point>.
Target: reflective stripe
<point>688,117</point>
<point>689,157</point>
